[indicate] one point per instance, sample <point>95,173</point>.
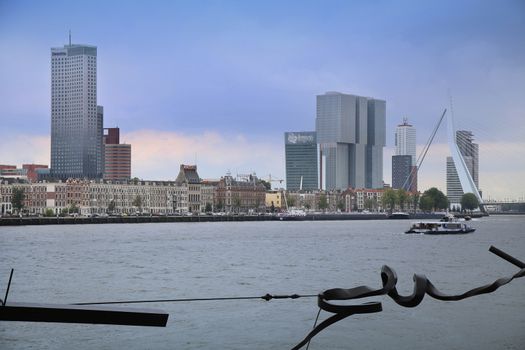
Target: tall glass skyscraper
<point>76,127</point>
<point>301,161</point>
<point>351,135</point>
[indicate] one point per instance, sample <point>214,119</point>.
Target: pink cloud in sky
<point>25,149</point>
<point>157,155</point>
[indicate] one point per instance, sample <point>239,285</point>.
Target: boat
<point>440,228</point>
<point>399,215</point>
<point>293,214</point>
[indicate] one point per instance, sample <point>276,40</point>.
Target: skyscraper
<point>301,161</point>
<point>404,175</point>
<point>76,125</point>
<point>351,134</point>
<point>469,152</point>
<point>406,140</point>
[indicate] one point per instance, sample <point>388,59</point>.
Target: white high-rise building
<point>76,127</point>
<point>406,140</point>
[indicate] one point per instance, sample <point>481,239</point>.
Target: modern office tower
<point>301,161</point>
<point>405,141</point>
<point>117,156</point>
<point>76,126</point>
<point>404,174</point>
<point>351,135</point>
<point>469,152</point>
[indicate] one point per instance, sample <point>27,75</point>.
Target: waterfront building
<point>189,178</point>
<point>117,156</point>
<point>275,199</point>
<point>301,161</point>
<point>404,174</point>
<point>76,124</point>
<point>350,131</point>
<point>240,195</point>
<point>468,162</point>
<point>208,195</point>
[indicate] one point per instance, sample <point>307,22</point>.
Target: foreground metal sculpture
<point>33,312</point>
<point>422,286</point>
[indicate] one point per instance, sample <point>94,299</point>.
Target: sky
<point>217,83</point>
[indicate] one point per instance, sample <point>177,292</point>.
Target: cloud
<point>158,154</point>
<point>501,172</point>
<point>24,149</point>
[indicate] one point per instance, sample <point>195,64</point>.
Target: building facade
<point>351,135</point>
<point>405,140</point>
<point>404,174</point>
<point>469,153</point>
<point>76,125</point>
<point>189,179</point>
<point>117,156</point>
<point>240,195</point>
<point>301,161</point>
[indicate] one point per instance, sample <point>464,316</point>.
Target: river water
<point>87,263</point>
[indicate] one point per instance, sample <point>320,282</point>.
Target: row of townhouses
<point>188,193</point>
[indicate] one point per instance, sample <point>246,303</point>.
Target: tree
<point>402,198</point>
<point>323,202</point>
<point>426,203</point>
<point>49,212</point>
<point>137,202</point>
<point>415,200</point>
<point>111,206</point>
<point>266,184</point>
<point>290,200</point>
<point>389,199</point>
<point>219,205</point>
<point>469,201</point>
<point>439,200</point>
<point>208,208</point>
<point>341,205</point>
<point>307,206</point>
<point>236,202</point>
<point>17,199</point>
<point>73,208</point>
<point>370,203</point>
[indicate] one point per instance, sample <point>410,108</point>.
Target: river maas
<point>88,263</point>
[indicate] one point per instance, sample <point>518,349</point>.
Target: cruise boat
<point>440,228</point>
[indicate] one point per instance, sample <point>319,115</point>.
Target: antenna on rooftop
<point>70,37</point>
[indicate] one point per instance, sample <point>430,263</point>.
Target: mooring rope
<point>266,297</point>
